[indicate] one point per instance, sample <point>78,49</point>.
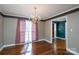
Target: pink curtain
<point>34,31</point>
<point>20,31</point>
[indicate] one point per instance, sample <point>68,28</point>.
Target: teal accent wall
<point>60,29</point>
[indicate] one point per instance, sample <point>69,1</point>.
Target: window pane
<point>28,35</point>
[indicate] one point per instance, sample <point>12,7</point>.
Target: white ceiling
<point>27,10</point>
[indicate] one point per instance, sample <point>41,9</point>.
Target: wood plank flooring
<point>37,48</point>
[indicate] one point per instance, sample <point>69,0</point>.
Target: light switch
<point>70,30</point>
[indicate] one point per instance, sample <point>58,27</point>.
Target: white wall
<point>73,31</point>
<point>10,25</point>
<point>1,31</point>
<point>41,27</point>
<point>48,31</point>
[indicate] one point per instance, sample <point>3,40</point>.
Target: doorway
<point>59,30</point>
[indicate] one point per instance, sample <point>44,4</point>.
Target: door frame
<point>66,28</point>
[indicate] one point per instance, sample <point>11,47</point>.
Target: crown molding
<point>9,16</point>
<point>62,14</point>
<point>1,14</point>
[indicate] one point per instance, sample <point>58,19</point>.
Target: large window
<point>28,32</point>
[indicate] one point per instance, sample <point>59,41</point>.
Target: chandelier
<point>35,18</point>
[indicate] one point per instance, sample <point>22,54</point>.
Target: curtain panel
<point>34,31</point>
<point>20,31</point>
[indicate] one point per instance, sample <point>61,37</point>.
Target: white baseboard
<point>8,45</point>
<point>41,40</point>
<point>1,48</point>
<point>74,52</point>
<point>45,40</point>
<point>48,41</point>
<point>60,38</point>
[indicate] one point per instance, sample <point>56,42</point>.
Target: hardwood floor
<point>37,48</point>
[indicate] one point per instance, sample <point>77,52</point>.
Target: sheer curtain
<point>28,33</point>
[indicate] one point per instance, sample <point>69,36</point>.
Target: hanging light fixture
<point>35,18</point>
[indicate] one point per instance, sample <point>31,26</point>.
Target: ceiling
<point>27,10</point>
